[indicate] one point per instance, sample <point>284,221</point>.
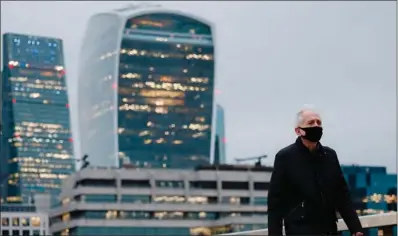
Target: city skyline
<point>338,48</point>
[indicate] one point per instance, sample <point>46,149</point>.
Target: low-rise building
<point>130,201</point>
<point>25,220</point>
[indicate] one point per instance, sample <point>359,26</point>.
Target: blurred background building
<point>122,201</point>
<point>23,219</point>
<point>36,141</point>
<point>146,88</point>
<point>220,156</point>
<point>373,190</point>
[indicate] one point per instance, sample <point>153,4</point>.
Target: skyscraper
<point>36,143</point>
<point>146,88</point>
<point>220,140</point>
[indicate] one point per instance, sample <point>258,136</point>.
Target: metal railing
<point>383,222</point>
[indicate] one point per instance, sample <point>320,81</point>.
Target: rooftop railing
<point>383,222</point>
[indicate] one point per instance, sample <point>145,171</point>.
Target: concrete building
<point>131,201</point>
<point>25,220</point>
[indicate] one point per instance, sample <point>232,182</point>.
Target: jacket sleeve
<point>276,198</point>
<point>344,203</point>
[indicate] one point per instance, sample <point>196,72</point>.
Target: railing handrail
<point>369,221</point>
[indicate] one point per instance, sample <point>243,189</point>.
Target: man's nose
<point>317,124</point>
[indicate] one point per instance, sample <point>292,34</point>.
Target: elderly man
<point>307,185</point>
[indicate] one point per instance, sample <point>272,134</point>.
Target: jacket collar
<point>299,143</point>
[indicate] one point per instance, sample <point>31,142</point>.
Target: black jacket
<point>306,190</point>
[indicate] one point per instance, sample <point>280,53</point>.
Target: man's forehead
<point>310,115</point>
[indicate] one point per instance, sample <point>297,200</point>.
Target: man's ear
<point>298,131</point>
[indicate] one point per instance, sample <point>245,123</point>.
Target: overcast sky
<point>272,59</point>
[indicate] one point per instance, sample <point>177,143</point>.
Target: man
<point>307,185</point>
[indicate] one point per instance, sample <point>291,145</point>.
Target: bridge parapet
<point>383,222</point>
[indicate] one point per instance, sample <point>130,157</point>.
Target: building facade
<point>23,220</point>
<point>220,156</point>
<point>373,190</point>
<point>36,141</point>
<point>110,201</point>
<point>146,88</point>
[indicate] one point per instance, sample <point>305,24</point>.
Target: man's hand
<point>358,234</point>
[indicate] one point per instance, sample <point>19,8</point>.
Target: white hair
<point>299,116</point>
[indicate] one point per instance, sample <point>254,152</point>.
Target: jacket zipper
<point>323,198</point>
<point>301,204</point>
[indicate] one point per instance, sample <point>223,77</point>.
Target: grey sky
<point>272,58</point>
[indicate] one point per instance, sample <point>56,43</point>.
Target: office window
<point>25,233</point>
<point>235,185</point>
<point>36,232</point>
<point>203,184</point>
<point>15,233</point>
<point>202,215</point>
<point>169,199</point>
<point>35,221</point>
<point>15,221</point>
<point>262,201</point>
<point>261,186</point>
<point>136,199</point>
<point>5,233</point>
<point>25,221</point>
<point>97,183</point>
<point>100,198</point>
<point>135,183</point>
<point>94,214</point>
<point>234,200</point>
<point>202,200</point>
<point>169,184</point>
<point>5,221</point>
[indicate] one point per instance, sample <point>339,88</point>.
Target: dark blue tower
<point>36,143</point>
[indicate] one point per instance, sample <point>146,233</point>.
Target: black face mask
<point>313,134</point>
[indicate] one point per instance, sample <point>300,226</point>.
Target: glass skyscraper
<point>36,145</point>
<point>146,89</point>
<point>220,140</point>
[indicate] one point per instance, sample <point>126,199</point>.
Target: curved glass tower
<point>146,89</point>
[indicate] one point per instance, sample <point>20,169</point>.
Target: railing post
<point>385,231</point>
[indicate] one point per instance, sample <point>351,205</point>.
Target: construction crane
<point>84,162</point>
<point>258,162</point>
